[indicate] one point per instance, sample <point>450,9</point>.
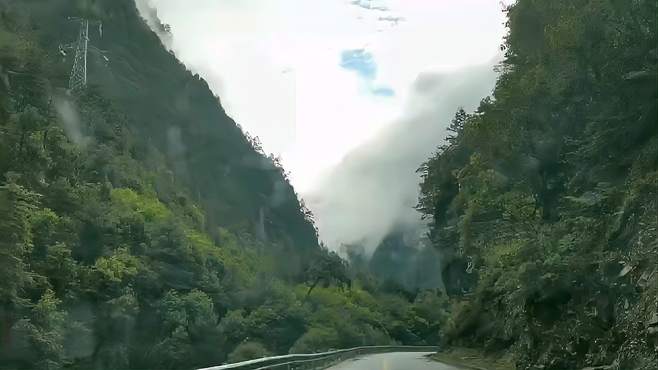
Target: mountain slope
<point>175,112</point>
<point>543,201</point>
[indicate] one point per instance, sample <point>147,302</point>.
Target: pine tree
<point>455,129</point>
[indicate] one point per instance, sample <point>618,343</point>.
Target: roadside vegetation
<point>544,201</point>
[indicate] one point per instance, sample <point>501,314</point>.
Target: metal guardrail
<point>316,360</point>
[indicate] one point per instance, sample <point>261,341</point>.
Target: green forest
<point>141,228</point>
<point>544,200</point>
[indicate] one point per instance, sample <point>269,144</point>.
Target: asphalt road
<point>393,361</point>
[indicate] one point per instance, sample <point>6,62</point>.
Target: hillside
<point>142,229</point>
<point>543,201</point>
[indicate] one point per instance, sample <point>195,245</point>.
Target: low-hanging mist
<point>374,190</point>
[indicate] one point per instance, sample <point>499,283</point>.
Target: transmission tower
<point>82,47</point>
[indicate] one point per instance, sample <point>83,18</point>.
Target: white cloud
<point>277,67</point>
<point>375,188</point>
<point>276,64</point>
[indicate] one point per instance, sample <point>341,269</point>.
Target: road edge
<point>463,358</point>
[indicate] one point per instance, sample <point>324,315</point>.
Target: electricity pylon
<point>78,78</point>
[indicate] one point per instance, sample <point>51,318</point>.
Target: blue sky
<point>363,64</point>
<point>360,61</point>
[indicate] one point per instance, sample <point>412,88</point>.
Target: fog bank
<point>374,190</point>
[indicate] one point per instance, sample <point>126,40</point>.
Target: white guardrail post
<point>316,361</point>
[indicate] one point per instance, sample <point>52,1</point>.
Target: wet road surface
<point>393,361</point>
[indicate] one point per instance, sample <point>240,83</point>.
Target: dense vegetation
<point>544,201</point>
<point>140,228</point>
